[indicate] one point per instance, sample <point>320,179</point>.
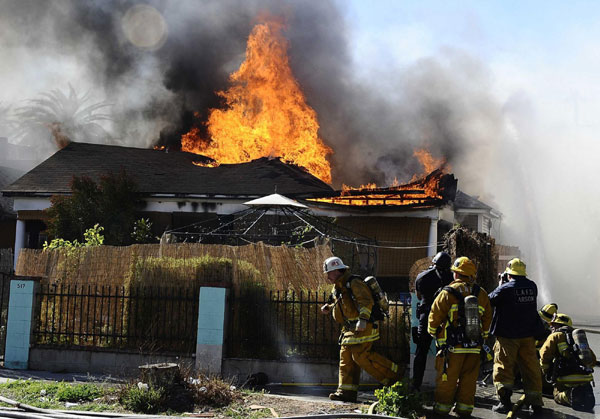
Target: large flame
<point>266,113</point>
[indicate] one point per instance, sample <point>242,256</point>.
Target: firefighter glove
<point>361,325</point>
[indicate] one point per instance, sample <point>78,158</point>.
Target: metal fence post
<point>20,321</point>
<point>211,322</point>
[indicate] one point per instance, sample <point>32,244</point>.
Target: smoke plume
<point>156,76</point>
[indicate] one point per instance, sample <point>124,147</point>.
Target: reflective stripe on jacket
<point>444,311</point>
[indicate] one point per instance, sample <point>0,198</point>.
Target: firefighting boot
<point>505,404</point>
<point>344,396</point>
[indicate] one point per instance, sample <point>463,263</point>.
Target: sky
<point>507,91</point>
<point>542,60</point>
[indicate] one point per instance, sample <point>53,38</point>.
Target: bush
<point>151,270</point>
<point>398,400</point>
<point>142,399</point>
<point>210,391</point>
<point>77,392</point>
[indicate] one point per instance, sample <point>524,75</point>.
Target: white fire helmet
<point>333,263</point>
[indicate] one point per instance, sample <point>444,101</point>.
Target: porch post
<point>211,323</point>
<point>19,324</point>
<point>19,240</point>
<point>432,249</point>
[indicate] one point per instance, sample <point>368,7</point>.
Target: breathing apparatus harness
<point>457,335</point>
<point>568,362</point>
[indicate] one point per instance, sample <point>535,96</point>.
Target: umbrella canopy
<point>274,200</point>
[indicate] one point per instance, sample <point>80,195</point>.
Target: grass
<point>56,395</point>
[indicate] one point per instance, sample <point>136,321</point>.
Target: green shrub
<point>142,400</point>
<point>77,392</point>
<point>156,271</point>
<point>398,400</point>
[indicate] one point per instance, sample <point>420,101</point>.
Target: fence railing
<point>286,324</point>
<point>4,299</point>
<point>144,319</point>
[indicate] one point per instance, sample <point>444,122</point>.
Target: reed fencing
<point>279,267</point>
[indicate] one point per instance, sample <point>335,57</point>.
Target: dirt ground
<point>281,406</point>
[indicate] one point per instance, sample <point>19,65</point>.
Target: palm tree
<point>57,118</point>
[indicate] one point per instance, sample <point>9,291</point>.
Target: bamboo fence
<point>277,267</point>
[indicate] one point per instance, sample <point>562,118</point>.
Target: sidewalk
<point>484,400</point>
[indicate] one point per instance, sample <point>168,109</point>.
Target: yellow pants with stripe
<point>510,353</point>
<point>460,383</point>
<point>357,356</point>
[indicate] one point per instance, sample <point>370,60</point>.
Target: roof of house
<point>464,201</point>
<point>160,172</point>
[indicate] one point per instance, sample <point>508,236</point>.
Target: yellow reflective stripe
<point>352,340</point>
<point>364,311</point>
<point>431,330</point>
<point>351,387</point>
<point>481,309</point>
<point>465,350</point>
<point>575,378</point>
<point>394,367</point>
<point>464,407</point>
<point>485,334</point>
<point>351,319</point>
<point>453,309</point>
<point>442,408</point>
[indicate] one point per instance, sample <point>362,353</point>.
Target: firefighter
<point>458,358</point>
<point>427,283</point>
<point>546,314</point>
<point>351,303</point>
<point>515,325</point>
<point>569,363</point>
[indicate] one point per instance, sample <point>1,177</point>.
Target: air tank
<point>472,329</point>
<point>581,342</point>
<point>382,300</point>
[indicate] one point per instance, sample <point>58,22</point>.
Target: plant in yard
<point>142,398</point>
<point>399,400</point>
<point>212,391</point>
<point>142,231</point>
<point>77,393</point>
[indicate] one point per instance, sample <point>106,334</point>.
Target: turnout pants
<point>460,384</point>
<point>423,344</point>
<point>357,356</point>
<point>520,352</point>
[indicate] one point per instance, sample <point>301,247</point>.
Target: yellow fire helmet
<point>548,311</point>
<point>563,319</point>
<point>516,267</point>
<point>464,266</point>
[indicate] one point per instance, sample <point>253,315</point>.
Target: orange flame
<point>206,164</point>
<point>420,191</point>
<point>266,112</point>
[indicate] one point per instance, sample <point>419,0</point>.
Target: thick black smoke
<point>373,131</point>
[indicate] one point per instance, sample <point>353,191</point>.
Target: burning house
<point>264,139</point>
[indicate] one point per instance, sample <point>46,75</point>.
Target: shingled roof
<point>164,173</point>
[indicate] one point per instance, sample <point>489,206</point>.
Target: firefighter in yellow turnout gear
<point>571,371</point>
<point>458,359</point>
<point>351,305</point>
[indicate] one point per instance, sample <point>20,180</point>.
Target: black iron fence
<point>5,279</point>
<point>143,319</point>
<point>279,325</point>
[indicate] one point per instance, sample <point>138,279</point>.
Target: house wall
<point>393,265</point>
